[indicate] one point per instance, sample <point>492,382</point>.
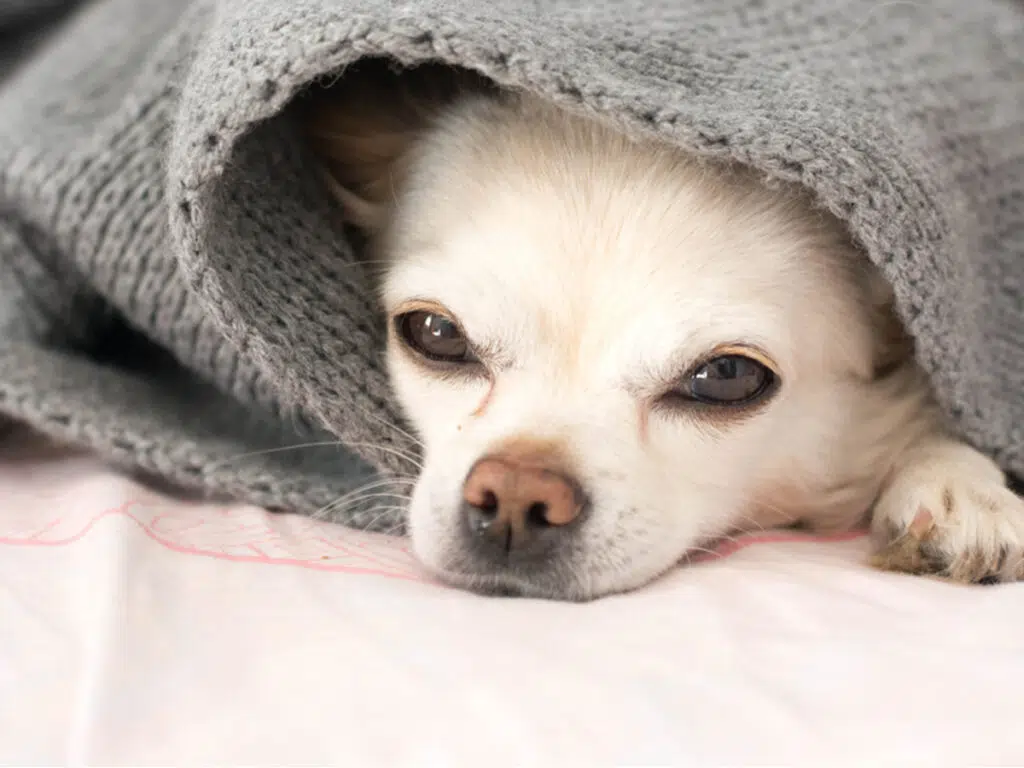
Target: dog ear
<point>363,125</point>
<point>894,347</point>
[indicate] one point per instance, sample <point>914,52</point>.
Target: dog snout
<point>513,507</point>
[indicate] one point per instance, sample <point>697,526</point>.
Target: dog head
<point>611,351</point>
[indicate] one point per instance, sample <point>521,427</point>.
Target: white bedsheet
<point>141,630</point>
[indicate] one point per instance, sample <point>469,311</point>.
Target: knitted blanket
<point>177,294</point>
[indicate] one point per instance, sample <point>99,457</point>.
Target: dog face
<point>611,351</point>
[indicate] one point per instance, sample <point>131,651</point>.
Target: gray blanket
<point>176,292</point>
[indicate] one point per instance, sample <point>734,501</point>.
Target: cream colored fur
<point>597,268</point>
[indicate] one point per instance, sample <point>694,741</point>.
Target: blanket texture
<point>177,294</point>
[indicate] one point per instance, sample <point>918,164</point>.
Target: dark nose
<point>512,506</point>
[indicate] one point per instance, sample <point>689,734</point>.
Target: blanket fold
<point>152,188</point>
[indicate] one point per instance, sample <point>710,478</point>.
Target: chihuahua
<point>615,352</point>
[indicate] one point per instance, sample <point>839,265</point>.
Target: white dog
<point>614,352</point>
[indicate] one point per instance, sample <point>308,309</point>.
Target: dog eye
<point>727,380</point>
<point>434,336</point>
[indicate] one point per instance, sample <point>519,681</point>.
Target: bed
<point>140,629</point>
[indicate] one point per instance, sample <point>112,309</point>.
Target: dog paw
<point>952,517</point>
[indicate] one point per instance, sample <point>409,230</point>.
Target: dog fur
<point>590,270</point>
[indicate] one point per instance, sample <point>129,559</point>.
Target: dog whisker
<point>372,485</point>
<point>359,501</point>
<point>281,449</point>
<point>384,512</point>
<point>395,429</point>
<point>698,550</point>
<point>405,456</point>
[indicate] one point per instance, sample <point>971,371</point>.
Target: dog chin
<point>510,584</point>
<point>563,583</point>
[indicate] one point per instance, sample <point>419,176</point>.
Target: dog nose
<point>511,506</point>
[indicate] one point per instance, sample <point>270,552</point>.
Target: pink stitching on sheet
<point>239,535</point>
<point>297,562</point>
<point>249,535</point>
